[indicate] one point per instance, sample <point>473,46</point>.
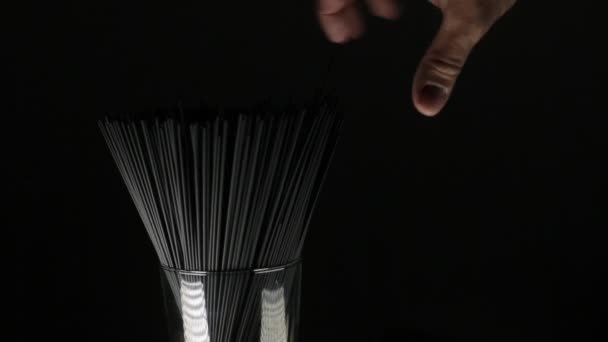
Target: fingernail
<point>432,97</point>
<point>432,93</point>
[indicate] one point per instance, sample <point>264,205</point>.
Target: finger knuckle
<point>445,66</point>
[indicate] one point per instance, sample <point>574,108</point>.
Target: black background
<point>484,223</point>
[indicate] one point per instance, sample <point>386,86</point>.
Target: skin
<point>464,24</point>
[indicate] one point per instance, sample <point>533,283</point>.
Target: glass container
<point>261,305</point>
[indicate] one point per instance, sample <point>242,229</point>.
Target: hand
<point>464,23</point>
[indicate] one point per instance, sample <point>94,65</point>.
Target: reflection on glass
<point>274,323</point>
<point>260,306</point>
<point>194,312</point>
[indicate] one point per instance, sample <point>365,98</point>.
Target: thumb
<point>444,60</point>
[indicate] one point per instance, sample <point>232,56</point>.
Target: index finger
<point>329,7</point>
<point>340,19</point>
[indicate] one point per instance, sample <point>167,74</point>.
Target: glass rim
<point>264,270</point>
